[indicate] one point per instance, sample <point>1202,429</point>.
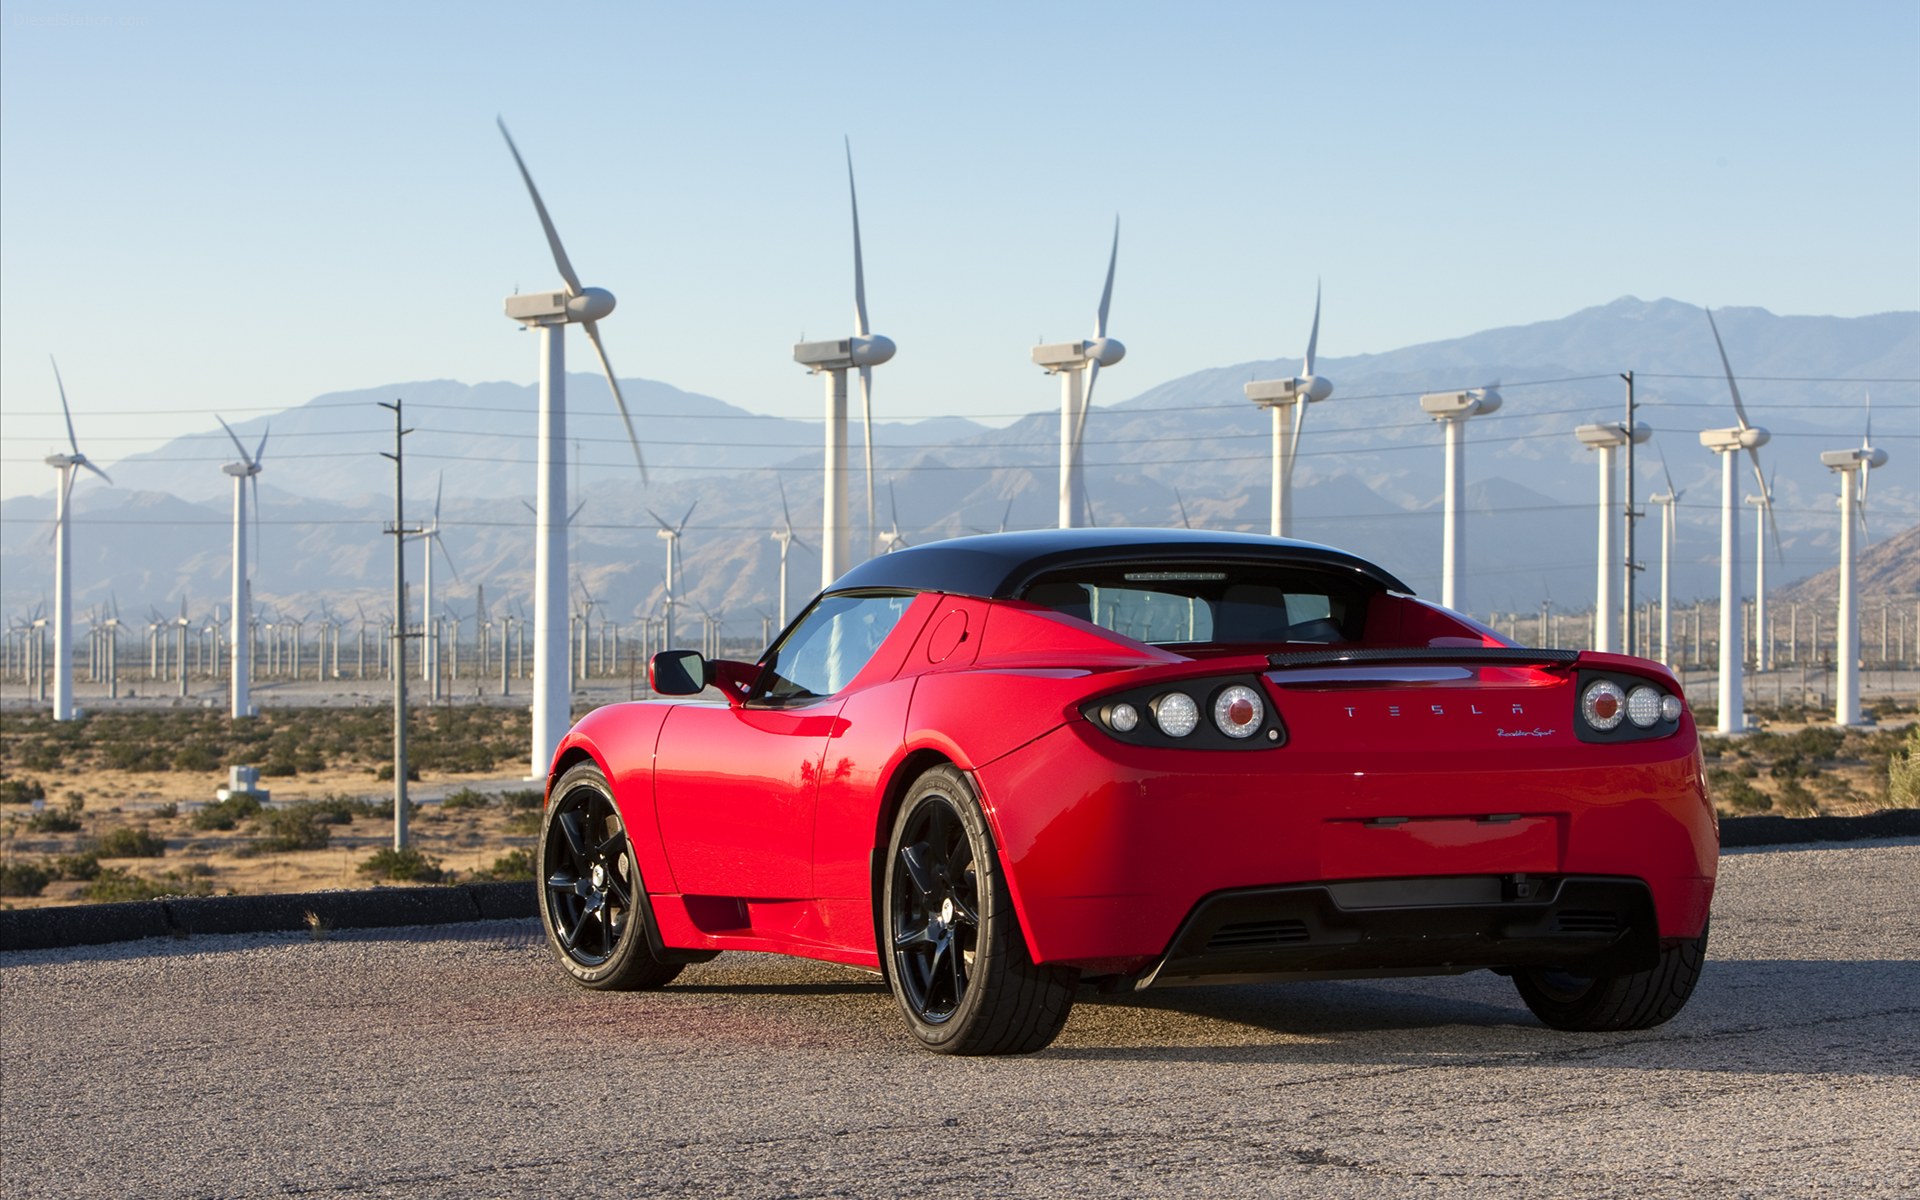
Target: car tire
<point>1633,1000</point>
<point>954,953</point>
<point>591,902</point>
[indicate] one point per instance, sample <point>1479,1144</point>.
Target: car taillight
<point>1238,711</point>
<point>1176,714</point>
<point>1618,707</point>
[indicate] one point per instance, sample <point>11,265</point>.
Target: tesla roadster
<point>998,769</point>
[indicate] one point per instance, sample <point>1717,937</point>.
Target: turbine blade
<point>662,521</point>
<point>1739,409</point>
<point>1086,401</point>
<point>1183,508</point>
<point>1674,495</point>
<point>260,451</point>
<point>785,514</point>
<point>237,445</point>
<point>96,470</point>
<point>1007,515</point>
<point>440,485</point>
<point>1313,339</point>
<point>1766,501</point>
<point>1106,293</point>
<point>866,421</point>
<point>546,222</point>
<point>859,269</point>
<point>682,527</point>
<point>254,562</point>
<point>436,539</point>
<point>65,411</point>
<point>593,335</point>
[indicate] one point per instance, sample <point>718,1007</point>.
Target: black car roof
<point>998,565</point>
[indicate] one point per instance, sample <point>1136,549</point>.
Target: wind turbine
<point>865,350</point>
<point>1452,409</point>
<point>244,472</point>
<point>1728,443</point>
<point>672,535</point>
<point>63,709</point>
<point>1667,501</point>
<point>1287,399</point>
<point>1853,466</point>
<point>891,537</point>
<point>1605,438</point>
<point>1762,656</point>
<point>1072,361</point>
<point>551,312</point>
<point>429,537</point>
<point>786,537</point>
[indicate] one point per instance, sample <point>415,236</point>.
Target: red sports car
<point>999,768</point>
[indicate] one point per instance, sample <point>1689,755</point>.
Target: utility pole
<point>1627,644</point>
<point>400,533</point>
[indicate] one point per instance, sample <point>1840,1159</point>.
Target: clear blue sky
<point>236,207</point>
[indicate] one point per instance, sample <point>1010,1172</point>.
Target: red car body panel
<point>758,827</point>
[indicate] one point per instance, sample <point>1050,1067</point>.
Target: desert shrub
<point>138,756</point>
<point>126,841</point>
<point>41,756</point>
<point>117,885</point>
<point>21,791</point>
<point>1903,772</point>
<point>196,756</point>
<point>525,821</point>
<point>65,819</point>
<point>335,809</point>
<point>385,770</point>
<point>295,827</point>
<point>402,866</point>
<point>466,798</point>
<point>279,768</point>
<point>1736,793</point>
<point>77,866</point>
<point>167,811</point>
<point>226,814</point>
<point>1796,801</point>
<point>23,879</point>
<point>513,866</point>
<point>523,799</point>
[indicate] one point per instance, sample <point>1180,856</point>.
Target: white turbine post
<point>865,350</point>
<point>1729,443</point>
<point>1287,399</point>
<point>672,535</point>
<point>1452,409</point>
<point>1606,438</point>
<point>1853,467</point>
<point>63,709</point>
<point>244,472</point>
<point>1078,365</point>
<point>550,312</point>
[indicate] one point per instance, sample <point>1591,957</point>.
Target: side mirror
<point>677,673</point>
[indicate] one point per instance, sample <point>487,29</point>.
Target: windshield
<point>1233,603</point>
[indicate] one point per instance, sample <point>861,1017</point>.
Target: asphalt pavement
<point>455,1061</point>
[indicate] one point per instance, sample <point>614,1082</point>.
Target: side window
<point>830,644</point>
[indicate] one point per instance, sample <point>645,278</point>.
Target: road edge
<point>390,907</point>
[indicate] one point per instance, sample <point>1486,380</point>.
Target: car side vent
<point>1252,935</point>
<point>1587,920</point>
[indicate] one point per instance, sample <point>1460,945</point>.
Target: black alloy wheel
<point>956,958</point>
<point>590,897</point>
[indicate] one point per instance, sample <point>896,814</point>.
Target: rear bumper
<point>1417,926</point>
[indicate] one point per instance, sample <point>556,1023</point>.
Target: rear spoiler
<point>1510,655</point>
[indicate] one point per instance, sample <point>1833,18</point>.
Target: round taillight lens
<point>1670,707</point>
<point>1176,714</point>
<point>1643,707</point>
<point>1604,705</point>
<point>1123,718</point>
<point>1238,711</point>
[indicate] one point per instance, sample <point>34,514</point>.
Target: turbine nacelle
<point>1070,356</point>
<point>1106,351</point>
<point>1870,457</point>
<point>1735,437</point>
<point>559,307</point>
<point>1457,406</point>
<point>240,470</point>
<point>1611,434</point>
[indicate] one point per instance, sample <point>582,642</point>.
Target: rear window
<point>1236,603</point>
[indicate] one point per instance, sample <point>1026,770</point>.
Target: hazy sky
<point>236,207</point>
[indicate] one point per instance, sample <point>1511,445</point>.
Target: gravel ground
<point>455,1061</point>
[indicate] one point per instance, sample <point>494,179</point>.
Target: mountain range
<point>1191,449</point>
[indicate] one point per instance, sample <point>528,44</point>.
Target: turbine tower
<point>63,709</point>
<point>1667,501</point>
<point>246,471</point>
<point>1606,438</point>
<point>786,537</point>
<point>1072,361</point>
<point>1287,399</point>
<point>865,350</point>
<point>1762,659</point>
<point>672,535</point>
<point>1452,409</point>
<point>1853,466</point>
<point>550,313</point>
<point>429,537</point>
<point>1728,443</point>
